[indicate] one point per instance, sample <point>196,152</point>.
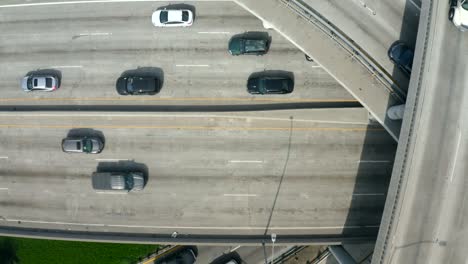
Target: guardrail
<point>354,50</point>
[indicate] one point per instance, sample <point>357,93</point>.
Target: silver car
<point>36,82</point>
<point>118,181</point>
<point>91,145</point>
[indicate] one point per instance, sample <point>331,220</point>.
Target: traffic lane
<point>193,188</point>
<point>189,134</point>
<point>198,206</point>
<point>185,79</point>
<point>129,29</point>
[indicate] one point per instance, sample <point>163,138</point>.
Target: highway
<point>233,174</point>
<point>92,44</point>
<point>425,218</point>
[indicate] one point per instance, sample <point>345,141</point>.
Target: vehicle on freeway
<point>172,18</point>
<point>250,44</point>
<point>185,256</point>
<point>90,145</point>
<point>270,84</point>
<point>40,82</point>
<point>402,56</point>
<point>458,14</point>
<point>118,181</point>
<point>137,85</point>
<point>232,261</point>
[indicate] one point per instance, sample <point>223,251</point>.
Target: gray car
<point>118,181</point>
<point>92,145</point>
<point>38,82</point>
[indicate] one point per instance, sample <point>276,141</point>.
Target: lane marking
<point>192,65</point>
<point>246,161</point>
<point>111,159</point>
<point>415,5</point>
<point>112,192</point>
<point>239,195</point>
<point>4,157</point>
<point>147,115</point>
<point>144,98</point>
<point>190,227</point>
<point>95,34</point>
<point>197,127</point>
<point>3,189</point>
<point>214,32</point>
<point>87,2</point>
<point>234,249</point>
<point>454,163</point>
<point>374,161</point>
<point>316,66</point>
<point>368,194</point>
<point>66,66</point>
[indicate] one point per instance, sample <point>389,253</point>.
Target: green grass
<point>38,251</point>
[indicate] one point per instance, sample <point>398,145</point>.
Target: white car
<point>172,18</point>
<point>458,14</point>
<point>40,82</point>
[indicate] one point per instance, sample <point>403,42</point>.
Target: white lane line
<point>234,249</point>
<point>4,157</point>
<point>368,194</point>
<point>214,32</point>
<point>112,192</point>
<point>246,161</point>
<point>95,34</point>
<point>415,5</point>
<point>87,2</point>
<point>7,114</point>
<point>66,66</point>
<point>192,65</point>
<point>239,195</point>
<point>191,227</point>
<point>454,163</point>
<point>316,66</point>
<point>374,161</point>
<point>111,159</point>
<point>3,189</point>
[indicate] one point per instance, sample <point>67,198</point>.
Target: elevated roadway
<point>426,210</point>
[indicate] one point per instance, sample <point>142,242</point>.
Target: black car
<point>137,85</point>
<point>402,56</point>
<point>185,256</point>
<point>249,44</point>
<point>270,85</point>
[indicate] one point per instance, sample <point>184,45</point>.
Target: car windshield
<point>49,82</point>
<point>87,145</point>
<point>130,88</point>
<point>185,16</point>
<point>129,181</point>
<point>465,4</point>
<point>35,82</point>
<point>163,17</point>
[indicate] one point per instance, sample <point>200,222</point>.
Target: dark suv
<point>270,84</point>
<point>249,44</point>
<point>137,85</point>
<point>402,56</point>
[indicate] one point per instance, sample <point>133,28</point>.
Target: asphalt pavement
<point>93,44</point>
<point>230,174</point>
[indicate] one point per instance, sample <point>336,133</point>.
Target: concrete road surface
<point>92,44</point>
<point>428,222</point>
<point>324,171</point>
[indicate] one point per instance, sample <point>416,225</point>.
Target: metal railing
<point>354,50</point>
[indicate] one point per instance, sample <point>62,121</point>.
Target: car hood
<point>122,85</point>
<point>138,181</point>
<point>461,18</point>
<point>24,84</point>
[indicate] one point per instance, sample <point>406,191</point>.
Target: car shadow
<point>52,72</point>
<point>124,166</point>
<point>227,257</point>
<point>180,6</point>
<point>146,72</point>
<point>86,132</point>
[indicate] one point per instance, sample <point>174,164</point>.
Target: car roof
<point>174,15</point>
